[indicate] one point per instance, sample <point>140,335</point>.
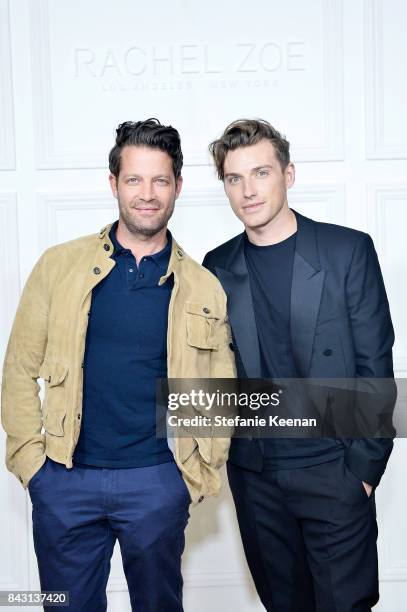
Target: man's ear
<point>113,185</point>
<point>178,186</point>
<point>289,175</point>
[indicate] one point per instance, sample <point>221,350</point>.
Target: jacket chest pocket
<point>201,323</point>
<point>54,405</point>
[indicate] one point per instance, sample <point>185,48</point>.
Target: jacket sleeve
<point>222,360</point>
<point>373,338</point>
<point>21,407</point>
<point>222,366</point>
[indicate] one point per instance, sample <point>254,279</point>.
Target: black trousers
<point>309,536</point>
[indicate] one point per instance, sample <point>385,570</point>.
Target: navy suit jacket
<point>340,323</point>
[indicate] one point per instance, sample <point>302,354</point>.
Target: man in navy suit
<point>305,300</point>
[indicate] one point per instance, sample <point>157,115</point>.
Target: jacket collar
<point>306,291</point>
<point>305,246</point>
<point>176,257</point>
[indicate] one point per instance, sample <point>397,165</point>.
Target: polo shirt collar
<point>161,258</point>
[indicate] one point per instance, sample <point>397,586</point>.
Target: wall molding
<point>53,155</point>
<point>7,140</point>
<point>9,261</point>
<point>379,196</point>
<point>376,145</point>
<point>51,203</point>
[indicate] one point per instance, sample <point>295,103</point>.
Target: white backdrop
<point>327,73</point>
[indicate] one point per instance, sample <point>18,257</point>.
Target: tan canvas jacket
<point>48,341</point>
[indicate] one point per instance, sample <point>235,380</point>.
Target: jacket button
<point>79,416</point>
<point>96,270</point>
<point>206,310</point>
<point>200,499</point>
<point>328,352</point>
<point>232,348</point>
<point>106,247</point>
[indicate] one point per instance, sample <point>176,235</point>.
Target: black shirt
<point>270,274</point>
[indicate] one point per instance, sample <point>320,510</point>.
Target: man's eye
<point>132,179</point>
<point>162,181</point>
<point>263,173</point>
<point>234,179</point>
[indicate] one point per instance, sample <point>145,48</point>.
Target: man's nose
<point>249,188</point>
<point>146,192</point>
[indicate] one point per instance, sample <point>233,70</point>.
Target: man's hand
<point>368,488</point>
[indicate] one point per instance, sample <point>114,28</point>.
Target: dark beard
<point>133,228</point>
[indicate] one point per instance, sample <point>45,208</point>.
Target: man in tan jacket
<point>100,319</point>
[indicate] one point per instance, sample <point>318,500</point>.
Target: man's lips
<point>253,206</point>
<point>146,209</point>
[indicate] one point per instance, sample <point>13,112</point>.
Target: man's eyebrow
<point>252,170</point>
<point>134,174</point>
<point>262,166</point>
<point>232,174</point>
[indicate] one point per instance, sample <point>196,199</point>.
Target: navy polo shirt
<point>126,350</point>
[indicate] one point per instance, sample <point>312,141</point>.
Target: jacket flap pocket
<point>203,310</point>
<point>201,326</point>
<point>53,373</point>
<point>54,423</point>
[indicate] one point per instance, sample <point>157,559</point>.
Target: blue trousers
<point>79,513</point>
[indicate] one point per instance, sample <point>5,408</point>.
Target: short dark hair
<point>244,133</point>
<point>148,133</point>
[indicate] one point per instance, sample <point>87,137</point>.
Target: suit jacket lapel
<point>235,281</point>
<point>306,293</point>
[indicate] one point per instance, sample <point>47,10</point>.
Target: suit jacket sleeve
<point>206,263</point>
<point>373,338</point>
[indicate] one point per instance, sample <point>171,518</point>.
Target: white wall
<point>328,73</point>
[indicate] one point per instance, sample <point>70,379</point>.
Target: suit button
<point>200,499</point>
<point>328,352</point>
<point>106,247</point>
<point>206,310</point>
<point>232,348</point>
<point>96,270</point>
